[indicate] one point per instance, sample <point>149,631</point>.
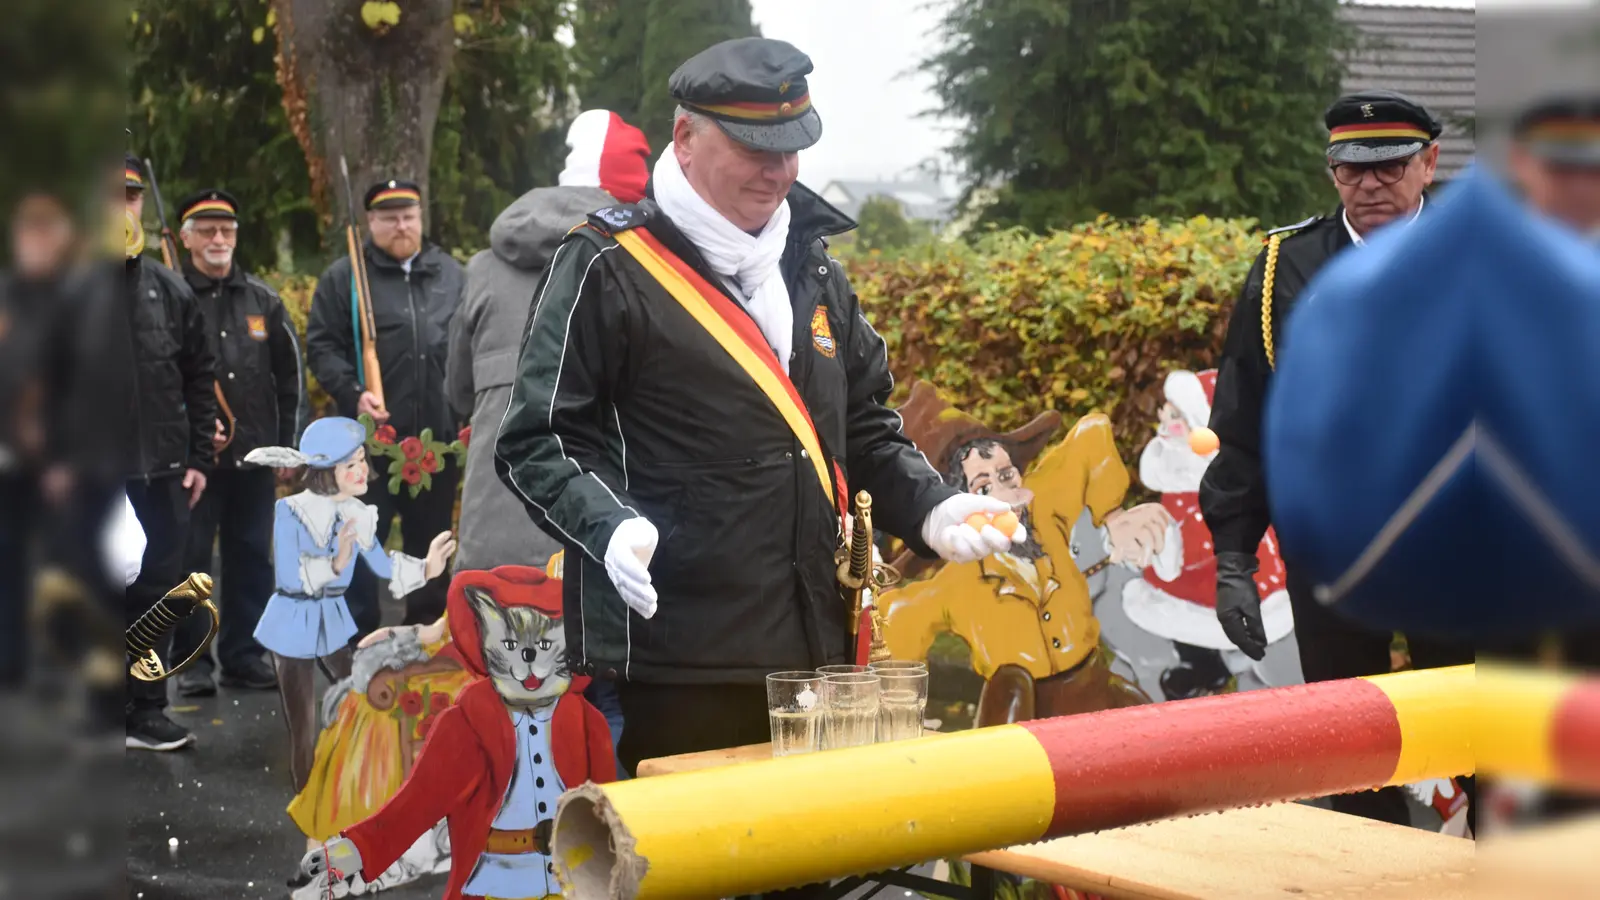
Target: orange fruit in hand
<point>1007,523</point>
<point>1204,441</point>
<point>978,520</point>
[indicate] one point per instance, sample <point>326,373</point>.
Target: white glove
<point>628,555</point>
<point>947,533</point>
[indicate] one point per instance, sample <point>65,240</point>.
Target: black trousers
<point>1333,647</point>
<point>421,519</point>
<point>237,507</point>
<point>163,509</point>
<point>18,499</point>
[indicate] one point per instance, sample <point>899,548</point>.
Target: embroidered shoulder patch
<point>258,327</point>
<point>612,219</point>
<point>821,335</point>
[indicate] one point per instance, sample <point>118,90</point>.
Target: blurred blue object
<point>1432,433</point>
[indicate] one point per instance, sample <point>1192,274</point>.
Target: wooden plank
<point>1554,860</point>
<point>1285,850</point>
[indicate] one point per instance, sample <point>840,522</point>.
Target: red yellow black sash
<point>737,333</point>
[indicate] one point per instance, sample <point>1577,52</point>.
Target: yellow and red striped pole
<point>1538,725</point>
<point>778,823</point>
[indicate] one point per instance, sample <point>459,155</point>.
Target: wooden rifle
<point>369,377</point>
<point>169,256</point>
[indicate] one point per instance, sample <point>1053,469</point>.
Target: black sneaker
<point>154,731</point>
<point>253,673</point>
<point>196,682</point>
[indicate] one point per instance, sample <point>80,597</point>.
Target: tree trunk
<point>363,81</point>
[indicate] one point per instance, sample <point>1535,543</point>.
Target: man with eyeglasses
<point>416,287</point>
<point>1382,153</point>
<point>259,376</point>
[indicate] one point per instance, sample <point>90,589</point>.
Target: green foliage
<point>1087,319</point>
<point>502,124</point>
<point>881,227</point>
<point>1142,107</point>
<point>629,49</point>
<point>206,108</point>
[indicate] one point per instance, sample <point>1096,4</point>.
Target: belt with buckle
<point>519,840</point>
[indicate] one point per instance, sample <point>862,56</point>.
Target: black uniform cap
<point>1378,126</point>
<point>1564,129</point>
<point>132,172</point>
<point>755,90</point>
<point>211,203</point>
<point>392,194</point>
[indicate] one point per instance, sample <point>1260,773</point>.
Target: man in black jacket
<point>1382,153</point>
<point>416,287</point>
<point>173,415</point>
<point>259,375</point>
<point>729,424</point>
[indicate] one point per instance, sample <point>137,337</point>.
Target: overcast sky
<point>868,101</point>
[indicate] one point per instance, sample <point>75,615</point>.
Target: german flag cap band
<point>211,203</point>
<point>755,90</point>
<point>393,194</point>
<point>1378,126</point>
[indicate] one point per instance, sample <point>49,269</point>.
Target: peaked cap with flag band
<point>392,194</point>
<point>607,153</point>
<point>211,203</point>
<point>1430,445</point>
<point>1564,130</point>
<point>1378,126</point>
<point>132,172</point>
<point>755,90</point>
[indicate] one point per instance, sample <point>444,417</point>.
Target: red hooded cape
<point>465,767</point>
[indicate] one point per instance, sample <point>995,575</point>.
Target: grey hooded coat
<point>485,338</point>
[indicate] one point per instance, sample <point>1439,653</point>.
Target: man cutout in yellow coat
<point>1028,616</point>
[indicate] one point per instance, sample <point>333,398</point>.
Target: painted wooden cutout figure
<point>496,762</point>
<point>318,535</point>
<point>1177,596</point>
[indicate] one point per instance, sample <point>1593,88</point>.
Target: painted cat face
<point>524,650</point>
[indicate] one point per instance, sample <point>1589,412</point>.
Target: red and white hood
<point>607,153</point>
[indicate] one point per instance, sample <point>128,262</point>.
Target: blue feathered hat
<point>325,444</point>
<point>1431,432</point>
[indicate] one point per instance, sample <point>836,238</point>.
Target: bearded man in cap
<point>1382,154</point>
<point>259,377</point>
<point>698,396</point>
<point>416,287</point>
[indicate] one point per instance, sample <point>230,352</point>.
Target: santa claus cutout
<point>1177,597</point>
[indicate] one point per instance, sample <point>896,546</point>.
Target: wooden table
<point>1287,850</point>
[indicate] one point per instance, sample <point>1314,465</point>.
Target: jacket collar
<point>200,281</point>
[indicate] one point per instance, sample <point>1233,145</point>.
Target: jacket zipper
<point>416,350</point>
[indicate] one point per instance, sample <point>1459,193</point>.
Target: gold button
<point>784,109</point>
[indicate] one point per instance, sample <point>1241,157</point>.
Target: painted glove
<point>338,853</point>
<point>628,555</point>
<point>1239,603</point>
<point>946,530</point>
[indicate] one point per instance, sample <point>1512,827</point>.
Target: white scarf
<point>751,263</point>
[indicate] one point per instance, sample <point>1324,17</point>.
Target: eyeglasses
<point>1351,174</point>
<point>208,232</point>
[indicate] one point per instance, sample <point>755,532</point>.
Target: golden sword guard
<point>177,605</point>
<point>860,576</point>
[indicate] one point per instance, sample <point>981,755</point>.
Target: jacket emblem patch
<point>257,326</point>
<point>820,334</point>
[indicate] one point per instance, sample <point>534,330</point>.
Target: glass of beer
<point>902,697</point>
<point>794,710</point>
<point>850,709</point>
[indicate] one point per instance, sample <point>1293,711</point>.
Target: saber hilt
<point>159,620</point>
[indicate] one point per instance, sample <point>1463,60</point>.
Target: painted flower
<point>411,473</point>
<point>465,437</point>
<point>411,447</point>
<point>385,434</point>
<point>438,703</point>
<point>411,703</point>
<point>429,463</point>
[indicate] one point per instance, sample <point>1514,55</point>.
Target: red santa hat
<point>607,153</point>
<point>1192,393</point>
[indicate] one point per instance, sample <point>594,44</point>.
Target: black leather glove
<point>1239,603</point>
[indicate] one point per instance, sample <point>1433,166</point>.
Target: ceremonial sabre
<point>860,579</point>
<point>178,604</point>
<point>367,372</point>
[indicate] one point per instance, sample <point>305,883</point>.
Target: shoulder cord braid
<point>1266,299</point>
